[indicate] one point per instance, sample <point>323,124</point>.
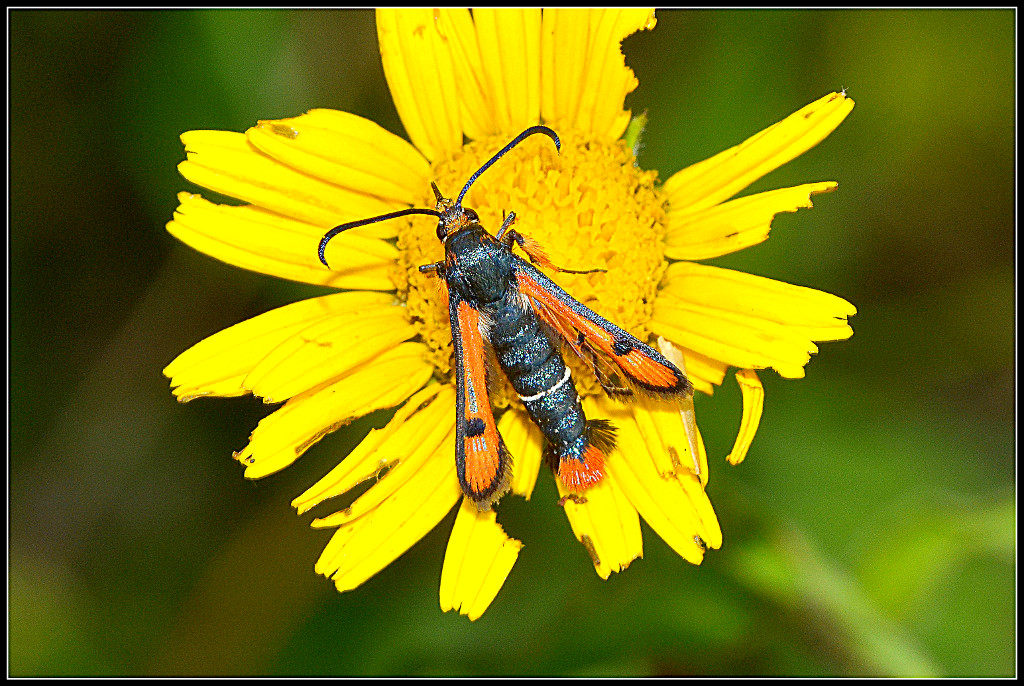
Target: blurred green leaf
<point>932,544</point>
<point>50,624</point>
<point>788,571</point>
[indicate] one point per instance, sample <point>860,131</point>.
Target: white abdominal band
<point>561,382</point>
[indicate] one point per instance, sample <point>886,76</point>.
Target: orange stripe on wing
<point>481,450</point>
<point>651,372</point>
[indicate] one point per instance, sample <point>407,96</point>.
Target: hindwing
<point>623,364</point>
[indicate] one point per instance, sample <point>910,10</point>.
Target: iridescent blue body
<point>482,271</point>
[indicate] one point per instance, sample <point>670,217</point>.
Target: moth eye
<point>441,231</point>
<point>472,216</point>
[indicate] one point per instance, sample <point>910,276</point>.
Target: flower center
<point>588,207</point>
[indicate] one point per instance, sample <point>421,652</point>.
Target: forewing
<point>484,465</point>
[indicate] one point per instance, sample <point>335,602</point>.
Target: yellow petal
<point>348,151</point>
<point>753,404</point>
<point>737,340</point>
<point>710,533</point>
<point>609,80</point>
<point>383,448</point>
<point>509,42</point>
<point>525,443</point>
<point>375,540</point>
<point>333,550</point>
<point>799,307</point>
<point>662,427</point>
<point>478,560</point>
<point>702,458</point>
<point>585,77</point>
<point>269,243</point>
<point>687,418</point>
<point>402,471</point>
<point>328,348</point>
<point>475,103</point>
<point>421,75</point>
<point>564,56</point>
<point>704,372</point>
<point>733,225</point>
<point>674,505</point>
<point>226,162</point>
<point>283,436</point>
<point>747,321</point>
<point>719,178</point>
<point>605,522</point>
<point>230,354</point>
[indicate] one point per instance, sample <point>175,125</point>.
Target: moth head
<point>454,219</point>
<point>452,215</point>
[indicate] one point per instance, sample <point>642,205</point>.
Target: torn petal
<point>283,436</point>
<point>605,522</point>
<point>478,560</point>
<point>718,178</point>
<point>733,225</point>
<point>584,74</point>
<point>372,542</point>
<point>753,404</point>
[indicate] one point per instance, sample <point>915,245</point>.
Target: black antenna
<point>515,141</point>
<point>434,213</point>
<point>363,222</point>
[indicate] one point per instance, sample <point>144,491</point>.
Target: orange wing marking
<point>481,437</point>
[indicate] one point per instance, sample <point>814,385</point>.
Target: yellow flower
<point>384,342</point>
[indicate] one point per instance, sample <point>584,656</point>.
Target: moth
<point>498,300</point>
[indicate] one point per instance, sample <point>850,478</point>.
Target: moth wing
<point>483,463</point>
<point>623,364</point>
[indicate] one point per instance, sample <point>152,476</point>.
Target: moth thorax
<point>588,207</point>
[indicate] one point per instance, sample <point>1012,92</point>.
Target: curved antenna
<point>515,141</point>
<point>363,222</point>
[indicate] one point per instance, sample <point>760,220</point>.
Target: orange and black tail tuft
<point>580,464</point>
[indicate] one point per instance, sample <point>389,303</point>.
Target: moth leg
<point>505,224</point>
<point>612,389</point>
<point>533,249</point>
<point>436,267</point>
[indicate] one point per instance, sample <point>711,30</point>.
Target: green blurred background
<point>871,530</point>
